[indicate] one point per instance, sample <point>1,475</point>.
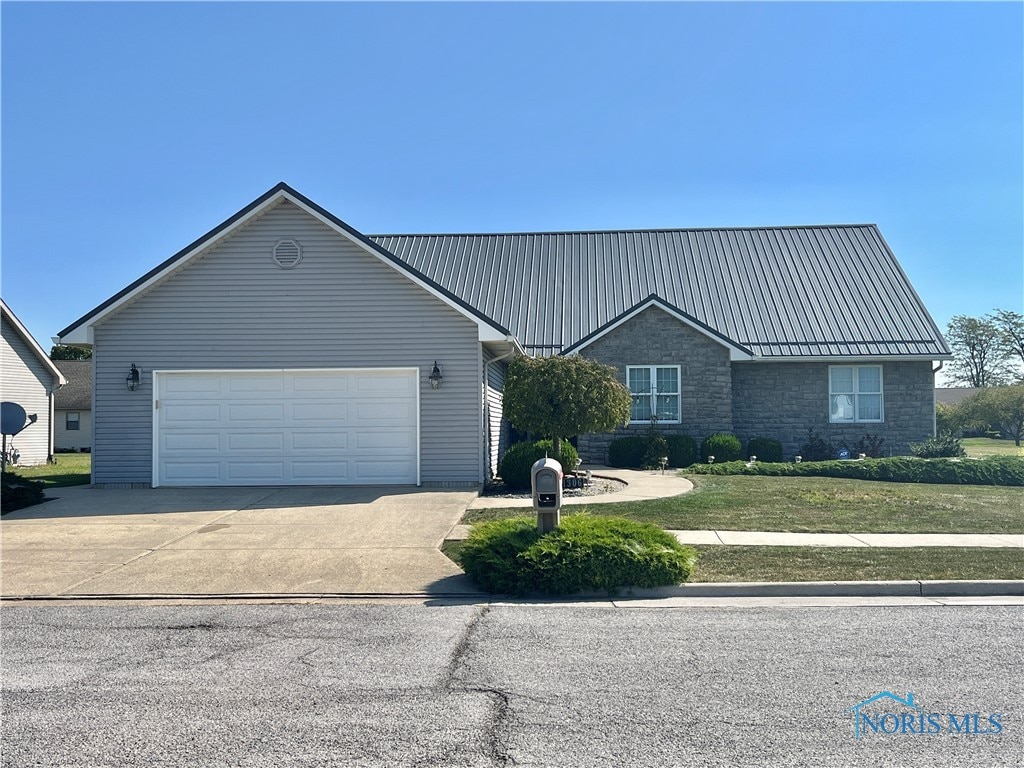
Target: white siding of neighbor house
<point>27,382</point>
<point>72,440</point>
<point>234,308</point>
<point>497,427</point>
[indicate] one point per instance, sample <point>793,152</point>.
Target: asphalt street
<point>443,684</point>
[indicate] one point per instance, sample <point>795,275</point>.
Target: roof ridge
<point>633,230</point>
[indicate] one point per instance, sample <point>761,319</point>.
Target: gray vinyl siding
<point>26,381</point>
<point>497,427</point>
<point>233,308</point>
<point>73,439</point>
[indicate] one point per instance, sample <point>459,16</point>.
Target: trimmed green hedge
<point>994,470</point>
<point>723,446</point>
<point>514,467</point>
<point>583,554</point>
<point>630,452</point>
<point>765,448</point>
<point>682,450</point>
<point>17,492</point>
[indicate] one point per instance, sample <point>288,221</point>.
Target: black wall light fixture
<point>435,377</point>
<point>133,379</point>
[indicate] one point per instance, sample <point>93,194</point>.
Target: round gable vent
<point>287,253</point>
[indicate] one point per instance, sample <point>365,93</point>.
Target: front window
<point>854,393</point>
<point>655,390</point>
<point>71,420</point>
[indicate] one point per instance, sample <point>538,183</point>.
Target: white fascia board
<point>32,344</point>
<point>83,334</point>
<point>735,353</point>
<point>487,331</point>
<point>848,359</point>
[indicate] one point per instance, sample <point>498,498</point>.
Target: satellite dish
<point>12,418</point>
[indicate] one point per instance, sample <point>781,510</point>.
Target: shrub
<point>682,450</point>
<point>17,492</point>
<point>869,445</point>
<point>655,449</point>
<point>514,467</point>
<point>583,554</point>
<point>627,452</point>
<point>943,446</point>
<point>994,470</point>
<point>765,448</point>
<point>722,446</point>
<point>817,448</point>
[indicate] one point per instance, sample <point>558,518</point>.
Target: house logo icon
<point>908,704</point>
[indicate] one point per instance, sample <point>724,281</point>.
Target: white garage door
<point>297,427</point>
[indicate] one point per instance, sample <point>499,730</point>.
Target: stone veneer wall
<point>655,337</point>
<point>782,400</point>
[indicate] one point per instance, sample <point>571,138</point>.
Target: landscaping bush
<point>765,448</point>
<point>514,467</point>
<point>943,446</point>
<point>627,452</point>
<point>722,446</point>
<point>583,554</point>
<point>993,470</point>
<point>18,492</point>
<point>817,448</point>
<point>869,445</point>
<point>682,450</point>
<point>655,450</point>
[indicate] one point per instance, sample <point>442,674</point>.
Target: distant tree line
<point>988,351</point>
<point>67,352</point>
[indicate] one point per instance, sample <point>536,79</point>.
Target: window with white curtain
<point>854,393</point>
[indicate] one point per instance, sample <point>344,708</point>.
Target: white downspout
<point>935,415</point>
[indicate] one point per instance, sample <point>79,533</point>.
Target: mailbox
<point>546,481</point>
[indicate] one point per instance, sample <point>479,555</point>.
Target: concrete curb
<point>988,588</point>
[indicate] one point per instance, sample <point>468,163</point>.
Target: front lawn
<point>817,504</point>
<point>720,563</point>
<point>986,446</point>
<point>70,469</point>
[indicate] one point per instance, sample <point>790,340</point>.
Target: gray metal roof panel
<point>824,291</point>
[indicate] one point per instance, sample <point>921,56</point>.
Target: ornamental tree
<point>1001,408</point>
<point>560,397</point>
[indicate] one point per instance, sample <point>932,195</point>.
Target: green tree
<point>1000,408</point>
<point>1011,330</point>
<point>979,352</point>
<point>67,352</point>
<point>561,397</point>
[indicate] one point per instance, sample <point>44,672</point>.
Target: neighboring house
<point>72,418</point>
<point>29,378</point>
<point>954,395</point>
<point>286,347</point>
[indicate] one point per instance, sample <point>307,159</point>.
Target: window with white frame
<point>71,420</point>
<point>655,390</point>
<point>854,393</point>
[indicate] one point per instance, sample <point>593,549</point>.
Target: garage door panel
<point>285,427</point>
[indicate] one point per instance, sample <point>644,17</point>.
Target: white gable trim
<point>82,333</point>
<point>32,344</point>
<point>735,352</point>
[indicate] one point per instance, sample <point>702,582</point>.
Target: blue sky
<point>128,130</point>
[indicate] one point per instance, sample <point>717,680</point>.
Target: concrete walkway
<point>637,485</point>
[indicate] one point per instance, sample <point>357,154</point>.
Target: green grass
<point>986,446</point>
<point>723,563</point>
<point>720,563</point>
<point>70,469</point>
<point>817,504</point>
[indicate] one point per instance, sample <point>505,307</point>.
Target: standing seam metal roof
<point>810,291</point>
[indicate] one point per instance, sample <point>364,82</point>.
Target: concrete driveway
<point>215,541</point>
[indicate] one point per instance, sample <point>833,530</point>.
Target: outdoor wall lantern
<point>435,376</point>
<point>133,379</point>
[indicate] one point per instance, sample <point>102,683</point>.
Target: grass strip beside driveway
<point>70,469</point>
<point>737,564</point>
<point>725,564</point>
<point>816,505</point>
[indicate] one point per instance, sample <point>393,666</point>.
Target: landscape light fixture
<point>435,377</point>
<point>133,379</point>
